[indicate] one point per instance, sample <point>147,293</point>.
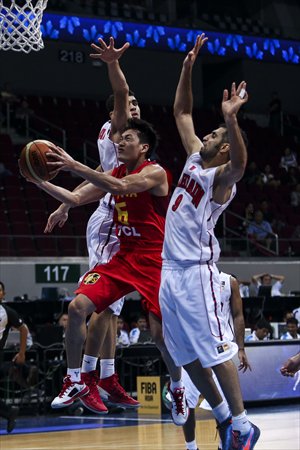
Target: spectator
<point>267,178</point>
<point>244,288</point>
<point>261,332</point>
<point>288,159</point>
<point>265,279</point>
<point>260,229</point>
<point>251,174</point>
<point>136,333</point>
<point>295,196</point>
<point>292,328</point>
<point>9,318</point>
<point>122,335</point>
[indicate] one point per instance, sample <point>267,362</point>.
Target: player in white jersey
<point>190,284</point>
<point>102,243</point>
<point>232,308</point>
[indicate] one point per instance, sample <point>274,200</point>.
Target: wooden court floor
<point>279,427</point>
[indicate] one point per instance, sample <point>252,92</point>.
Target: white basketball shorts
<point>193,325</point>
<point>103,243</point>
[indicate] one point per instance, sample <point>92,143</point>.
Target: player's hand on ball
<point>61,160</point>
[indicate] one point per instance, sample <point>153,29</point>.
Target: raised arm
<point>280,278</point>
<point>230,173</point>
<point>236,306</point>
<point>257,278</point>
<point>183,105</point>
<point>111,55</point>
<point>152,177</point>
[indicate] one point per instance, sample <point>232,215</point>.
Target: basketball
<point>33,161</point>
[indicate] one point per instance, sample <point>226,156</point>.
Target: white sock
<point>89,363</point>
<point>107,368</point>
<point>75,375</point>
<point>221,412</point>
<point>241,423</point>
<point>191,445</point>
<point>176,385</point>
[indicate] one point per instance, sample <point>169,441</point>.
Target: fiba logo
<point>148,389</point>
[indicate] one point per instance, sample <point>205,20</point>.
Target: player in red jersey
<point>140,189</point>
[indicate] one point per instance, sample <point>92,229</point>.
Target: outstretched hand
<point>192,54</point>
<point>58,217</point>
<point>238,97</point>
<point>108,53</point>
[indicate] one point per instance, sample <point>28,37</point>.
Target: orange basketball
<point>33,161</point>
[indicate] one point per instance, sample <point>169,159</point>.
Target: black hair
<point>292,320</point>
<point>263,323</point>
<point>2,285</point>
<point>110,101</point>
<point>146,133</point>
<point>225,137</point>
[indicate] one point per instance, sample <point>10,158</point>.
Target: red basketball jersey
<point>140,217</point>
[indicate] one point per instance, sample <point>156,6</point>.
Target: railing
<point>87,160</point>
<point>249,242</point>
<point>42,128</point>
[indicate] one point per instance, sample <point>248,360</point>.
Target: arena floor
<point>129,431</point>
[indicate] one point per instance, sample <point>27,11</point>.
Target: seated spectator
<point>252,173</point>
<point>267,178</point>
<point>122,335</point>
<point>266,279</point>
<point>260,229</point>
<point>288,159</point>
<point>141,333</point>
<point>295,196</point>
<point>261,332</point>
<point>292,330</point>
<point>244,288</point>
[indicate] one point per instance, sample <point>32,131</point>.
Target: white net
<point>20,25</point>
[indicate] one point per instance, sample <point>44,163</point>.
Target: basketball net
<point>20,26</point>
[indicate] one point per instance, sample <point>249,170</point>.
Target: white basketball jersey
<point>192,216</point>
<point>108,150</point>
<point>102,241</point>
<point>225,304</point>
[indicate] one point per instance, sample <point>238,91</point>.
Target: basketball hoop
<point>20,25</point>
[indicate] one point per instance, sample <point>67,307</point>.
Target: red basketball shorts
<point>124,273</point>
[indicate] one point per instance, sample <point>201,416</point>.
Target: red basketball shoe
<point>92,400</point>
<point>112,392</point>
